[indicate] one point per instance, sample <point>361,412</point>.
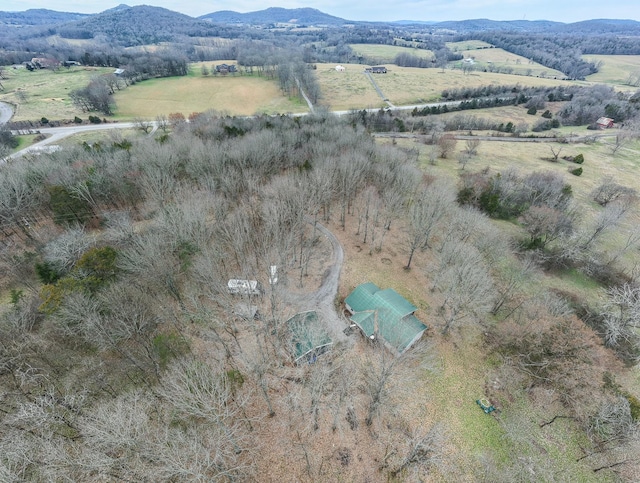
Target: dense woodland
<point>123,356</point>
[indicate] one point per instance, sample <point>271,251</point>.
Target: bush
<point>94,120</point>
<point>579,159</point>
<point>47,273</point>
<point>77,120</point>
<point>576,171</point>
<point>547,114</point>
<point>44,120</point>
<point>532,111</point>
<point>68,209</point>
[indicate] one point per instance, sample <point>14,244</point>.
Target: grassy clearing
<point>45,92</point>
<point>468,45</point>
<point>233,95</point>
<point>387,53</point>
<point>615,68</point>
<point>346,90</point>
<point>503,59</point>
<point>407,85</point>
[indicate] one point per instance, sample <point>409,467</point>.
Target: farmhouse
<point>384,314</point>
<point>308,339</point>
<point>604,123</point>
<point>378,69</point>
<point>340,68</point>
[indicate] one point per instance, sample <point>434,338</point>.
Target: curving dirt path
<point>322,299</point>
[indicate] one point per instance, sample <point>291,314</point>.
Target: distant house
<point>604,123</point>
<point>308,339</point>
<point>70,63</point>
<point>469,61</point>
<point>385,315</point>
<point>118,72</point>
<point>378,69</point>
<point>340,68</point>
<point>226,68</point>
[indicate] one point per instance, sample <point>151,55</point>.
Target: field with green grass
<point>387,53</point>
<point>615,69</point>
<point>468,45</point>
<point>408,85</point>
<point>499,58</point>
<point>233,94</point>
<point>44,92</point>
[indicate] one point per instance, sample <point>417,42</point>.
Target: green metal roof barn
<point>385,314</point>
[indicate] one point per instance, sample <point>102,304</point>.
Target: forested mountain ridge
<point>138,25</point>
<point>39,16</point>
<point>300,16</point>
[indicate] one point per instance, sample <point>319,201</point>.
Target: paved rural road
<point>6,111</point>
<point>58,133</point>
<point>323,299</point>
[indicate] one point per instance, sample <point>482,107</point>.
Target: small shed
<point>340,68</point>
<point>384,314</point>
<point>604,123</point>
<point>308,339</point>
<point>118,72</point>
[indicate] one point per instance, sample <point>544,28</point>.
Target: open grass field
<point>387,53</point>
<point>233,95</point>
<point>408,85</point>
<point>467,45</point>
<point>45,92</point>
<point>503,59</point>
<point>615,68</point>
<point>346,90</point>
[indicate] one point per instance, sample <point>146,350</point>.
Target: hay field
<point>346,90</point>
<point>46,93</point>
<point>503,59</point>
<point>467,45</point>
<point>407,85</point>
<point>234,95</point>
<point>615,68</point>
<point>387,53</point>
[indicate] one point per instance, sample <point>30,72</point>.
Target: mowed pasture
<point>235,95</point>
<point>408,85</point>
<point>468,45</point>
<point>387,53</point>
<point>500,58</point>
<point>349,89</point>
<point>45,93</point>
<point>615,69</point>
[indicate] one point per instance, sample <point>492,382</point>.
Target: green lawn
<point>615,69</point>
<point>45,93</point>
<point>387,53</point>
<point>233,94</point>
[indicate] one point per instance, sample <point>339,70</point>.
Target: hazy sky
<point>437,10</point>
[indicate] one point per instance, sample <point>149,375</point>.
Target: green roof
<point>308,336</point>
<point>392,313</point>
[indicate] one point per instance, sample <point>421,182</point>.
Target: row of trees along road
<point>123,356</point>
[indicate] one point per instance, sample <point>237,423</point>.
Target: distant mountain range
<point>38,16</point>
<point>169,23</point>
<point>275,15</point>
